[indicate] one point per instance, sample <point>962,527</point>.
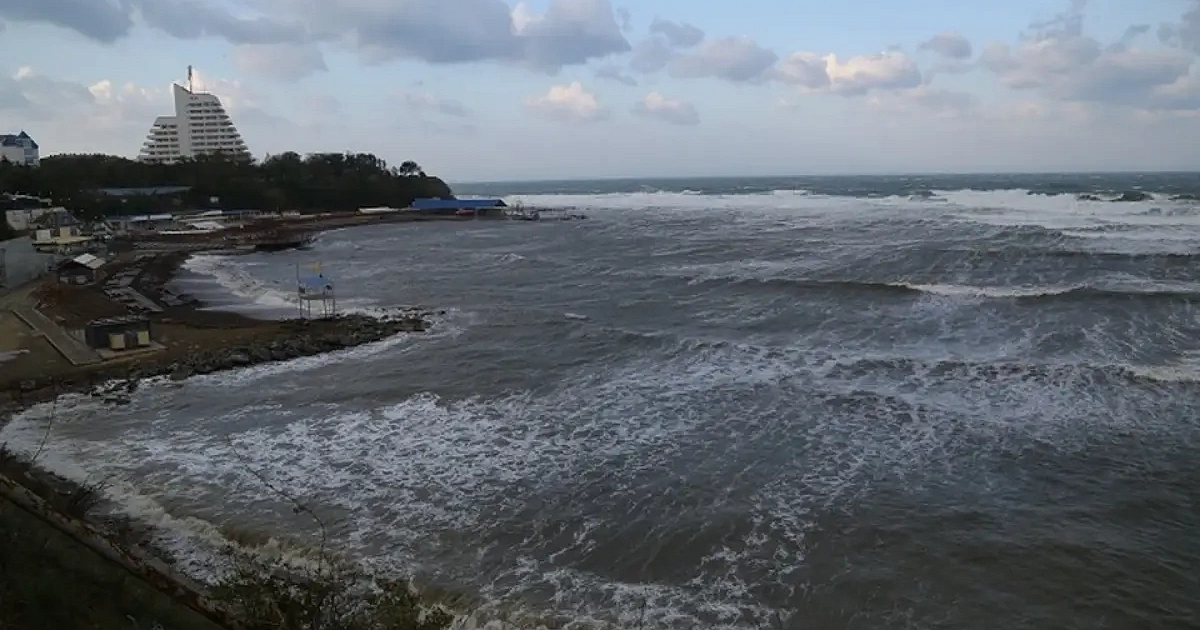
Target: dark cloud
<point>1131,33</point>
<point>651,55</point>
<point>106,21</point>
<point>193,19</point>
<point>614,73</point>
<point>949,45</point>
<point>679,35</point>
<point>1185,34</point>
<point>735,59</point>
<point>570,32</point>
<point>102,20</point>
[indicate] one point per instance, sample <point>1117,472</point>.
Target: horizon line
<point>822,176</point>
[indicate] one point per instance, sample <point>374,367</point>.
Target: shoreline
<point>193,342</point>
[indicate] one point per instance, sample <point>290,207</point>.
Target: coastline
<point>192,342</point>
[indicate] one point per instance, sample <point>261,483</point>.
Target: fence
<point>20,262</point>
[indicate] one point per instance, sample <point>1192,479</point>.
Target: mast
<point>190,79</point>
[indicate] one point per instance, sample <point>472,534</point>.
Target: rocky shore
<point>279,341</point>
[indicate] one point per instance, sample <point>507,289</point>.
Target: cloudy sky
<point>544,89</point>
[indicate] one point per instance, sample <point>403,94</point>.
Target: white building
<point>19,148</point>
<point>200,126</point>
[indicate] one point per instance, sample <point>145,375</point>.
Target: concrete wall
<point>22,263</point>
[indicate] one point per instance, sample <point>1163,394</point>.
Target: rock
<point>1133,195</point>
<point>1086,197</point>
<point>239,359</point>
<point>181,372</point>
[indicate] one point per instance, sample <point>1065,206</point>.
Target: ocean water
<point>944,402</point>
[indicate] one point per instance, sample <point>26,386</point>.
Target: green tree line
<point>287,181</point>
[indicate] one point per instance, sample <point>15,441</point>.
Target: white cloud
<point>852,77</point>
<point>571,103</point>
<point>674,111</point>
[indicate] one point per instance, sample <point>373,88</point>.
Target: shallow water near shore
<point>834,403</point>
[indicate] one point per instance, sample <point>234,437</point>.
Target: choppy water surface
<point>898,403</point>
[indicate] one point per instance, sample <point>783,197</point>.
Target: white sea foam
<point>236,276</point>
<point>436,483</point>
<point>416,476</point>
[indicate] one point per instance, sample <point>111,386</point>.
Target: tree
<point>286,181</point>
<point>410,168</point>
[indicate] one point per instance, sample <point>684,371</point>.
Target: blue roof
<point>13,140</point>
<point>315,282</point>
<point>456,204</point>
<point>143,191</point>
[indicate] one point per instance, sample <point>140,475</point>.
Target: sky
<point>489,90</point>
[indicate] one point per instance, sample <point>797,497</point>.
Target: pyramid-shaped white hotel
<point>200,126</point>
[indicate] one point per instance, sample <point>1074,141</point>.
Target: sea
<point>845,402</point>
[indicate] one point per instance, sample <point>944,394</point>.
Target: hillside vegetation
<point>288,181</point>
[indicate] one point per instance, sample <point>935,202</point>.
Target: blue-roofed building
<point>458,206</point>
<point>19,148</point>
<point>144,191</point>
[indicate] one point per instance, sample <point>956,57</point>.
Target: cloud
<point>651,55</point>
<point>679,35</point>
<point>924,99</point>
<point>854,77</point>
<point>424,102</point>
<point>39,97</point>
<point>950,45</point>
<point>734,59</point>
<point>1057,60</point>
<point>1131,33</point>
<point>193,19</point>
<point>665,109</point>
<point>569,103</point>
<point>625,19</point>
<point>614,73</point>
<point>283,62</point>
<point>103,20</point>
<point>1185,34</point>
<point>570,32</point>
<point>107,21</point>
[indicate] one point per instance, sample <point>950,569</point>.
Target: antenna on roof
<point>190,79</point>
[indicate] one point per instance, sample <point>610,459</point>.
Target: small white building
<point>23,219</point>
<point>19,148</point>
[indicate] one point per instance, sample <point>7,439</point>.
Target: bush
<point>333,595</point>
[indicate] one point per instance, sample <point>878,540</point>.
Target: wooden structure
<point>82,269</point>
<point>118,333</point>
